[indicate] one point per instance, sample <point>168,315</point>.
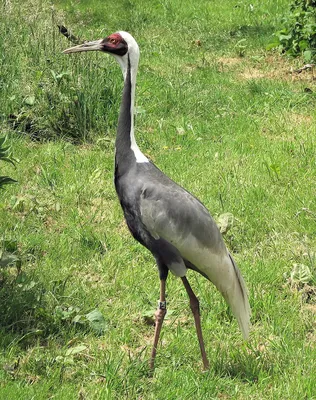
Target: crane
<point>161,215</point>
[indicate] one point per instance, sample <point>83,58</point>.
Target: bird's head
<point>120,44</point>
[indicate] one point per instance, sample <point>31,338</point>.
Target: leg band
<point>162,305</point>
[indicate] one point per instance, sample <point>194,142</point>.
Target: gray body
<point>159,212</point>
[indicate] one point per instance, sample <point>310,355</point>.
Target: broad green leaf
<point>75,350</point>
<point>97,321</point>
<point>308,55</point>
<point>225,222</point>
<point>7,259</point>
<point>301,274</point>
<point>272,45</point>
<point>29,100</point>
<point>303,44</point>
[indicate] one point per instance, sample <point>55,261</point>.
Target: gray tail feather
<point>240,304</point>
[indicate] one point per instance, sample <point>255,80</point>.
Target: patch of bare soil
<point>230,61</point>
<point>311,339</point>
<point>270,67</point>
<point>252,73</point>
<point>299,119</point>
<point>311,308</point>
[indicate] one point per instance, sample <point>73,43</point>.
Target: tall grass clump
<point>45,94</point>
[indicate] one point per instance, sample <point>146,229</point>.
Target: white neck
<point>133,55</point>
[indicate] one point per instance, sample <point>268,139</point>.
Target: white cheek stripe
<point>140,157</point>
<point>133,52</point>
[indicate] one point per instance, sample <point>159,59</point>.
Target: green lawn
<point>220,115</point>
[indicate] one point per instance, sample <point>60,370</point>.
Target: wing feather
<point>172,213</point>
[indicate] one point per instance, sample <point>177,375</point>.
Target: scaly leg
<point>195,307</point>
<point>160,315</point>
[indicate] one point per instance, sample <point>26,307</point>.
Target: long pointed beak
<point>88,46</point>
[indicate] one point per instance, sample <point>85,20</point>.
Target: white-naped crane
<point>165,218</point>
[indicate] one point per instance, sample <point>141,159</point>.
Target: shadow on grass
<point>244,363</point>
<point>30,313</point>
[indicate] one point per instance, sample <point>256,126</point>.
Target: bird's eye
<point>112,40</point>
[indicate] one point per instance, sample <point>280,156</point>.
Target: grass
<point>218,114</point>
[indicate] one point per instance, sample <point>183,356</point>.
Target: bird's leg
<point>195,307</point>
<point>160,315</point>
